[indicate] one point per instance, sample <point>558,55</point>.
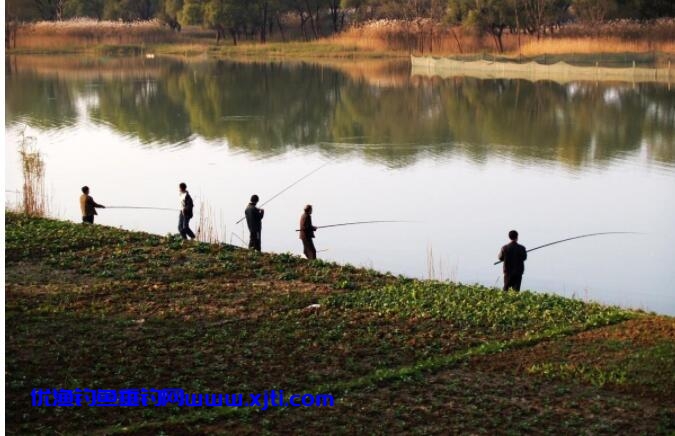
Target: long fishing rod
<point>141,207</point>
<point>288,187</point>
<point>576,237</point>
<point>361,222</point>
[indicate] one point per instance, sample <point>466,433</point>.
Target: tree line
<point>316,18</point>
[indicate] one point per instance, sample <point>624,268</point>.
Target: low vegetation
<point>101,308</point>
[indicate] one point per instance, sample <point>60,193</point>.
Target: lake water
<point>467,159</point>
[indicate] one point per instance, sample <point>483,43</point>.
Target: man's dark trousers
<point>512,281</point>
<point>310,250</point>
<point>254,241</point>
<point>184,226</point>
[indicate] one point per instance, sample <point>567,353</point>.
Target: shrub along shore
<point>102,308</point>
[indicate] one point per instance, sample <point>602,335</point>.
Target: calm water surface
<point>467,159</point>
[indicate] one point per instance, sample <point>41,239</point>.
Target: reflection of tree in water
<point>572,124</point>
<point>42,102</point>
<point>267,108</point>
<point>143,107</point>
<point>259,107</point>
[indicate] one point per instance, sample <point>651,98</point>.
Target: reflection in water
<point>268,108</point>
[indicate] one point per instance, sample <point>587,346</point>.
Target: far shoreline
<point>117,38</point>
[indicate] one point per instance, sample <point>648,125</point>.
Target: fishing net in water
<point>560,71</point>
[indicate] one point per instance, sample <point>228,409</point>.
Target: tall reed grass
<point>594,45</point>
<point>437,270</point>
<point>34,198</point>
<point>427,37</point>
<point>88,32</point>
<point>210,227</point>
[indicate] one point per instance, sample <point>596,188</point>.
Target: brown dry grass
<point>34,201</point>
<point>208,228</point>
<point>594,45</point>
<point>425,37</point>
<point>416,37</point>
<point>85,32</point>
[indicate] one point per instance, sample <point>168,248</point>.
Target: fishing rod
<point>576,237</point>
<point>288,187</point>
<point>362,222</point>
<point>140,207</point>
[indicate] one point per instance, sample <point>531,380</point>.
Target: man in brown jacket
<point>88,206</point>
<point>307,232</point>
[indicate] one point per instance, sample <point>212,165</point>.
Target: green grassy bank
<point>102,308</point>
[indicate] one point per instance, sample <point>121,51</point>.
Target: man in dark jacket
<point>513,255</point>
<point>254,218</point>
<point>88,206</point>
<point>186,207</point>
<point>307,233</point>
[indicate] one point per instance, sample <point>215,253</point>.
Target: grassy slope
<point>96,307</point>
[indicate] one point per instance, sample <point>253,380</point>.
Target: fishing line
<point>140,207</point>
<point>234,234</point>
<point>577,237</point>
<point>362,222</point>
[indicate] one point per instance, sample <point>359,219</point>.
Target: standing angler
<point>88,206</point>
<point>307,233</point>
<point>513,255</point>
<point>254,218</point>
<point>186,207</point>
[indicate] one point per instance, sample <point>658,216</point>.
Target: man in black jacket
<point>186,206</point>
<point>254,218</point>
<point>307,233</point>
<point>513,255</point>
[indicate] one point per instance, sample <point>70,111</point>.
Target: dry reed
<point>425,37</point>
<point>34,199</point>
<point>594,45</point>
<point>208,229</point>
<point>438,270</point>
<point>88,32</point>
<point>431,268</point>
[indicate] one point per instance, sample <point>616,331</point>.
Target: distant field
<point>97,307</point>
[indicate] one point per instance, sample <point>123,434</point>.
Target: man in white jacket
<point>186,206</point>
